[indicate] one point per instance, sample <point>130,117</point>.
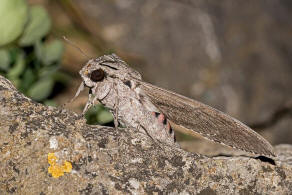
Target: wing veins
<point>206,121</point>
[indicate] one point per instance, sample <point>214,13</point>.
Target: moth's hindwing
<point>197,118</point>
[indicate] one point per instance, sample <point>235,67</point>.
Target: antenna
<point>74,45</point>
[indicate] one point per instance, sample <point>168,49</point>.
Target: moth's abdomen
<point>161,118</point>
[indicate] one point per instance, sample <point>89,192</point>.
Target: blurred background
<point>235,56</point>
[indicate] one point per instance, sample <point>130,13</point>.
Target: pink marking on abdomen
<point>156,114</point>
<point>161,118</point>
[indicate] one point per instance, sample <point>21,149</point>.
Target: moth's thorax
<point>113,83</point>
<point>120,96</point>
<point>134,111</point>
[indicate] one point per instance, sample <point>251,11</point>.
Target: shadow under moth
<point>154,111</point>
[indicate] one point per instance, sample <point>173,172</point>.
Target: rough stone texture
<point>110,161</point>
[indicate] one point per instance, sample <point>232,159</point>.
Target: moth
<point>155,111</point>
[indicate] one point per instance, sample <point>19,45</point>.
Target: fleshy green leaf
<point>14,52</point>
<point>39,50</point>
<point>52,52</point>
<point>13,17</point>
<point>104,117</point>
<point>15,81</point>
<point>4,59</point>
<point>61,77</point>
<point>38,26</point>
<point>91,114</point>
<point>50,103</point>
<point>18,67</point>
<point>28,78</point>
<point>48,71</point>
<point>41,89</point>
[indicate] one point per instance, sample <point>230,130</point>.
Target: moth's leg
<point>88,104</point>
<point>116,122</point>
<point>92,99</point>
<point>116,107</point>
<point>154,140</point>
<point>80,88</point>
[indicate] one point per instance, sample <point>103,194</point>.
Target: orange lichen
<point>52,159</point>
<point>67,167</point>
<point>58,170</point>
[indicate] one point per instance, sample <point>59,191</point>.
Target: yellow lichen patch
<point>67,167</point>
<point>52,159</point>
<point>55,169</point>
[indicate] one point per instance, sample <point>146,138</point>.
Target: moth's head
<point>105,67</point>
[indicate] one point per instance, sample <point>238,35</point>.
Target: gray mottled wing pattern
<point>198,118</point>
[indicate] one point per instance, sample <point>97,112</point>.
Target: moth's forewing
<point>197,118</point>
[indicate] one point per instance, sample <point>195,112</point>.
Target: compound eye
<point>97,75</point>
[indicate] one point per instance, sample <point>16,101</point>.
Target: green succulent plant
<point>98,114</point>
<point>31,62</point>
<point>26,57</point>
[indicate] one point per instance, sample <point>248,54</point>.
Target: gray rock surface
<point>232,55</point>
<point>115,161</point>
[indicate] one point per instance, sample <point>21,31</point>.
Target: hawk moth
<point>153,110</point>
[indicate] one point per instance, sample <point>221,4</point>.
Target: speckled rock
<point>46,150</point>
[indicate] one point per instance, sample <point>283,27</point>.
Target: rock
<point>46,150</point>
<point>209,51</point>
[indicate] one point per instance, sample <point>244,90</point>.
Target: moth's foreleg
<point>116,107</point>
<point>116,113</point>
<point>80,88</point>
<point>88,104</point>
<point>93,97</point>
